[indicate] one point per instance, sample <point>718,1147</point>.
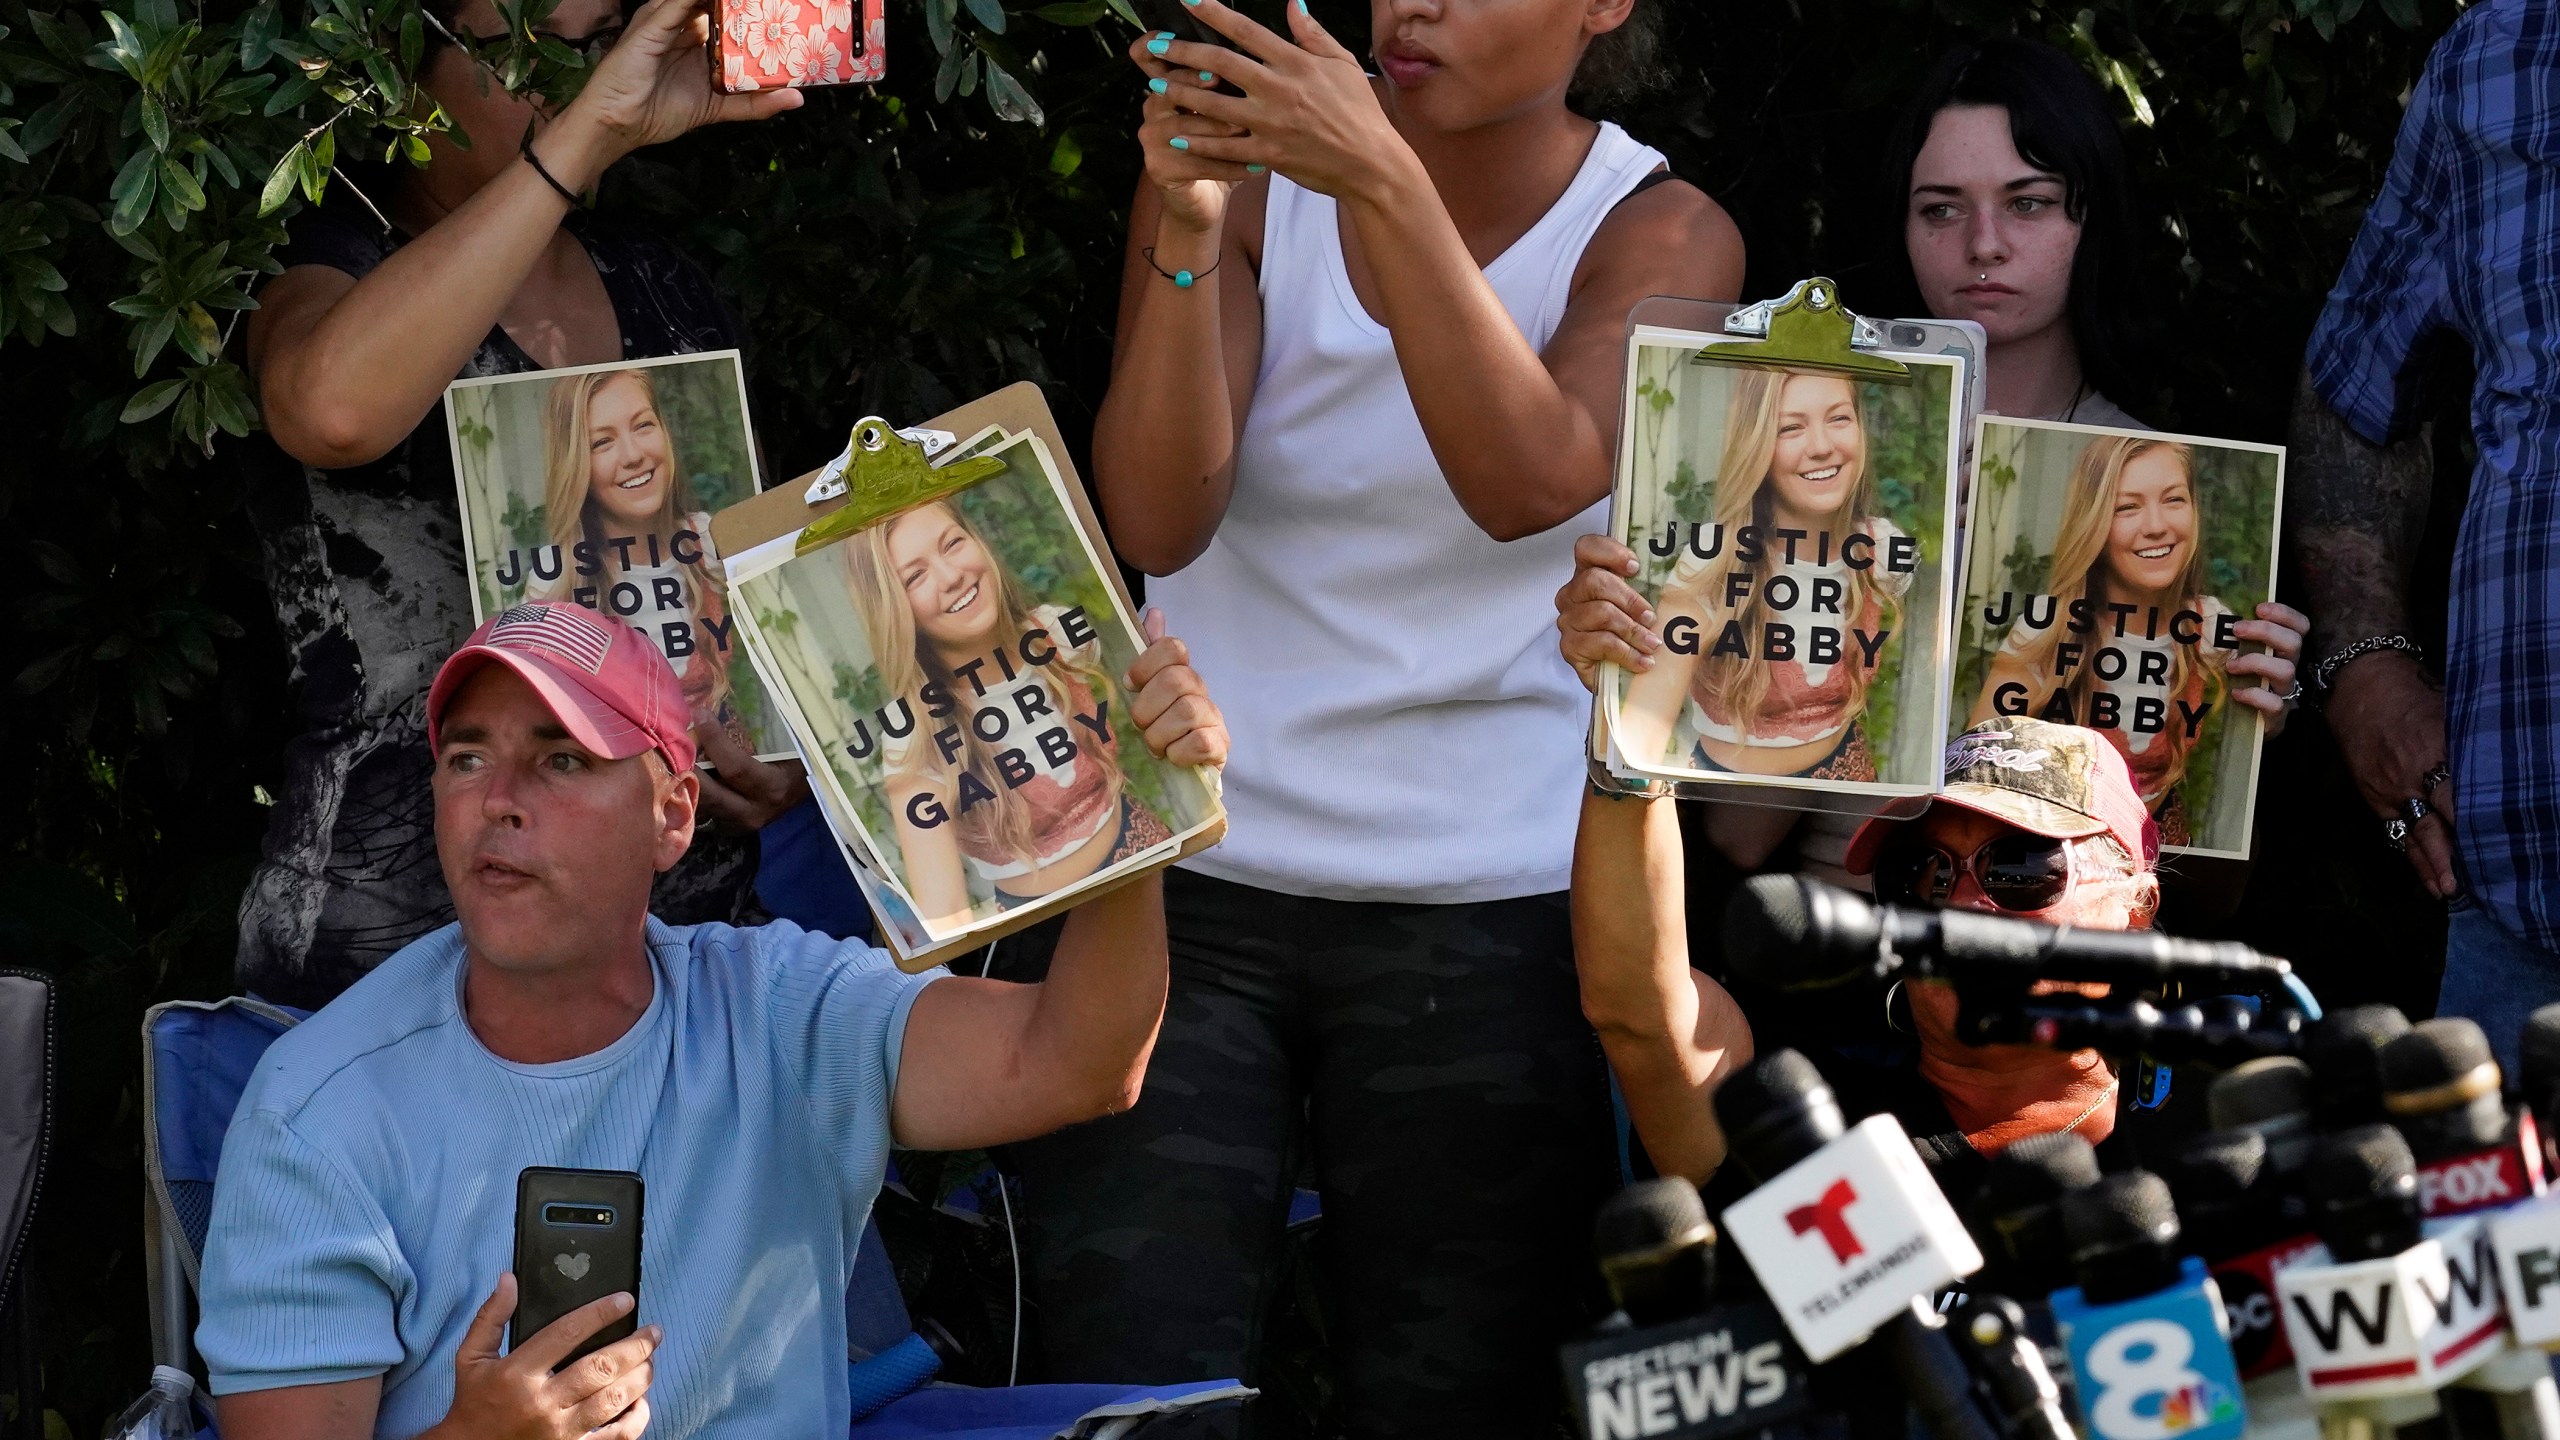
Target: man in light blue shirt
<point>753,1078</point>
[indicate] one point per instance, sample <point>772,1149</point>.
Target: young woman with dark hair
<point>1371,338</point>
<point>2014,200</point>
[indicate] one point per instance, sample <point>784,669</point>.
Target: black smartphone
<point>1186,24</point>
<point>577,1241</point>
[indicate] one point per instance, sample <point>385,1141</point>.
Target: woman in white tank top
<point>1370,345</point>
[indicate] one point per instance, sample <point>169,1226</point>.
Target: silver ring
<point>2428,782</point>
<point>2292,696</point>
<point>2415,809</point>
<point>2396,830</point>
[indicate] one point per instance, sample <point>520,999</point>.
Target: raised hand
<point>2389,724</point>
<point>1171,705</point>
<point>1308,109</point>
<point>1600,616</point>
<point>2281,629</point>
<point>517,1397</point>
<point>655,84</point>
<point>1194,187</point>
<point>740,789</point>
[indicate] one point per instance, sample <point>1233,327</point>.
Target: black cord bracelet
<point>524,147</point>
<point>1182,279</point>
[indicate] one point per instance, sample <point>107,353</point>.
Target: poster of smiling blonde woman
<point>596,485</point>
<point>2107,571</point>
<point>957,670</point>
<point>1794,528</point>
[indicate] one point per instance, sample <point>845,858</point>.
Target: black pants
<point>1435,1059</point>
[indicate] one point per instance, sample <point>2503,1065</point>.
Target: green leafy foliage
<point>887,250</point>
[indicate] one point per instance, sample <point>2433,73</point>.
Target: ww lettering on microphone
<point>2415,1320</point>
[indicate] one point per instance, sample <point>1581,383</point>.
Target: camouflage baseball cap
<point>2059,780</point>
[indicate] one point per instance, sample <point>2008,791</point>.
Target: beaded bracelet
<point>1182,279</point>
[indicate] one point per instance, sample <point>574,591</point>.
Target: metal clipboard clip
<point>883,471</point>
<point>1808,328</point>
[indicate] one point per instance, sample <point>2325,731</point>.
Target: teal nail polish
<point>1195,4</point>
<point>1255,169</point>
<point>1181,143</point>
<point>1160,44</point>
<point>1208,79</point>
<point>1158,86</point>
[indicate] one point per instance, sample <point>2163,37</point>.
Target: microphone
<point>1848,1234</point>
<point>1657,1251</point>
<point>2271,1098</point>
<point>2344,1050</point>
<point>2538,1066</point>
<point>2025,1395</point>
<point>1792,933</point>
<point>2144,1327</point>
<point>2527,1238</point>
<point>2017,1215</point>
<point>2018,1221</point>
<point>2233,1212</point>
<point>2377,1318</point>
<point>2440,1086</point>
<point>1669,1365</point>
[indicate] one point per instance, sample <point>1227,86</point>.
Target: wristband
<point>1183,279</point>
<point>524,147</point>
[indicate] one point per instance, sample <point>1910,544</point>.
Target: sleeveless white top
<point>1403,725</point>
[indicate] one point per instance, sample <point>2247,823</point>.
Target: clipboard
<point>1808,328</point>
<point>784,510</point>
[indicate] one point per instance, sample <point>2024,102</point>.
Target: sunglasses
<point>2019,872</point>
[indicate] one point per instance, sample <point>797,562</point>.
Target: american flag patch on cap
<point>564,630</point>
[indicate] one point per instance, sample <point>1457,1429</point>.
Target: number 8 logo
<point>2137,1361</point>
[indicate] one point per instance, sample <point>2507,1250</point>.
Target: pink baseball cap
<point>608,685</point>
<point>2064,781</point>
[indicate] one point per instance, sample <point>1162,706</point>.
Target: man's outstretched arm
<point>988,1063</point>
<point>2357,514</point>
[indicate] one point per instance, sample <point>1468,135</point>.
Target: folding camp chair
<point>26,1132</point>
<point>198,1059</point>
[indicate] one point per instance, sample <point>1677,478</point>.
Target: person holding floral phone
<point>481,262</point>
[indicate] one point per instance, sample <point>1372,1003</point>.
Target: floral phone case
<point>787,44</point>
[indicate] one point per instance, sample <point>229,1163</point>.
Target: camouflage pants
<point>1434,1062</point>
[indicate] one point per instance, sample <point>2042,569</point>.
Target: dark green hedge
<point>886,250</point>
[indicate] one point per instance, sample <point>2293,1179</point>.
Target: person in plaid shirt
<point>2463,244</point>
